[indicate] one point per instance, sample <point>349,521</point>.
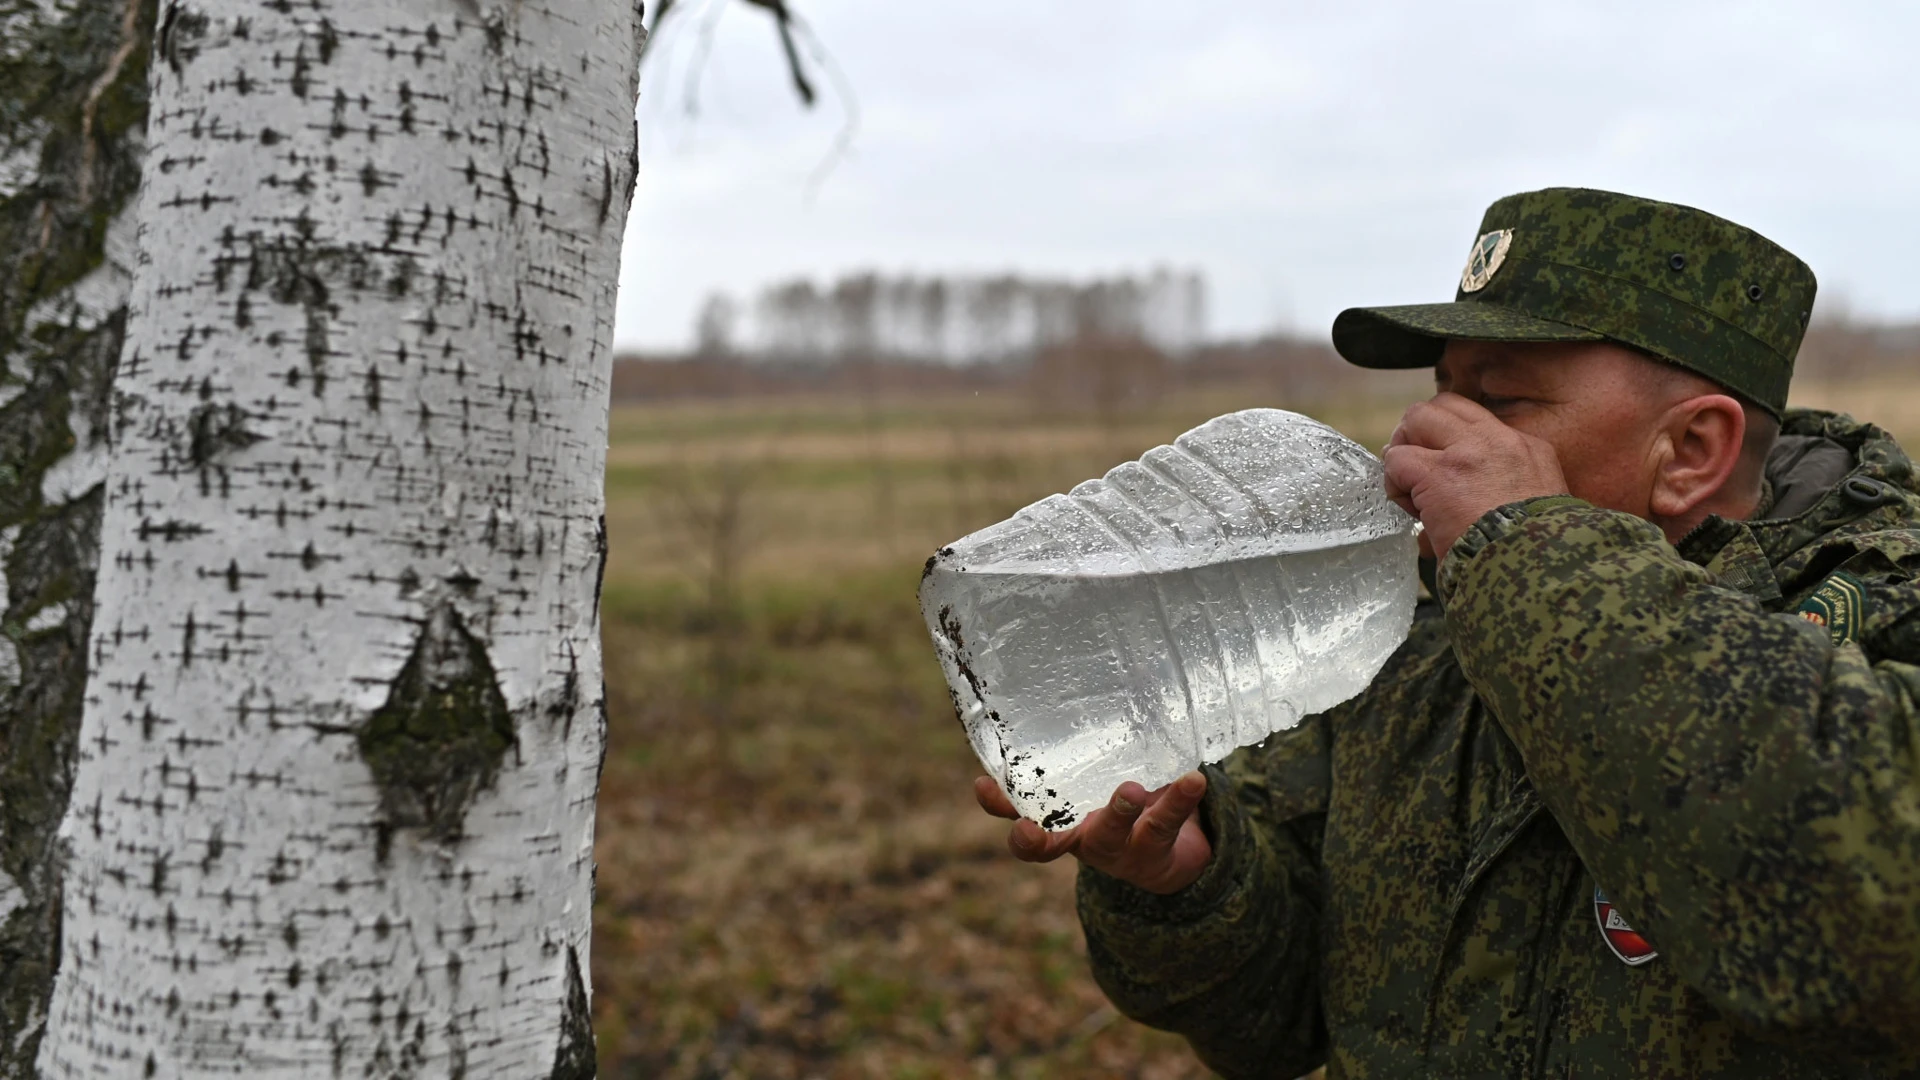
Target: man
<point>1640,795</point>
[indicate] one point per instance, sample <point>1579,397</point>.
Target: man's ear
<point>1704,436</point>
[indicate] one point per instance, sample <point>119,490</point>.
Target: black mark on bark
<point>633,169</point>
<point>214,430</point>
<point>180,34</point>
<point>574,1059</point>
<point>329,41</point>
<point>564,703</point>
<point>600,760</point>
<point>606,190</point>
<point>439,739</point>
<point>600,563</point>
<point>170,530</point>
<point>294,272</point>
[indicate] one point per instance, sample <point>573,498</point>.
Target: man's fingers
<point>1406,466</point>
<point>992,799</point>
<point>1147,798</point>
<point>1398,495</point>
<point>1031,843</point>
<point>1434,423</point>
<point>1104,833</point>
<point>1161,822</point>
<point>1463,408</point>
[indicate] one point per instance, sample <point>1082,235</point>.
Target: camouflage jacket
<point>1718,736</point>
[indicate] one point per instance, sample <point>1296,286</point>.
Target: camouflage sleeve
<point>1232,961</point>
<point>1746,791</point>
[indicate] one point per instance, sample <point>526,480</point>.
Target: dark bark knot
<point>443,732</point>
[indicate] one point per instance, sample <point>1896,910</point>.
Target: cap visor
<point>1414,335</point>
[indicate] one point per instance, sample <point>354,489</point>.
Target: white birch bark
<point>333,807</point>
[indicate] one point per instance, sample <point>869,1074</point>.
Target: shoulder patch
<point>1839,605</point>
<point>1624,940</point>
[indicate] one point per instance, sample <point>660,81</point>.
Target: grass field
<point>794,881</point>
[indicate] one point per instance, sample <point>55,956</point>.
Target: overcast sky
<point>1306,157</point>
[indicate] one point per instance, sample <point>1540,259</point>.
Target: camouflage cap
<point>1572,264</point>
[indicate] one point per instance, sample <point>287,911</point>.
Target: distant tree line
<point>951,319</point>
<point>1108,344</point>
<point>1840,346</point>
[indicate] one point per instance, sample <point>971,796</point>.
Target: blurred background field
<point>794,881</point>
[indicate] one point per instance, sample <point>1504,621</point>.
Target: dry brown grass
<point>793,879</point>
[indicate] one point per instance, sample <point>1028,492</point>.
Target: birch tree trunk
<point>333,807</point>
<point>73,108</point>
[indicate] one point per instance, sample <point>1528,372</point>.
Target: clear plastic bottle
<point>1197,600</point>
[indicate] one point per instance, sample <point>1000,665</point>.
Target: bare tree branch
<point>785,21</point>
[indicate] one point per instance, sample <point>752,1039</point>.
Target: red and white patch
<point>1624,940</point>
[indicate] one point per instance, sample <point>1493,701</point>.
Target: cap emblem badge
<point>1488,253</point>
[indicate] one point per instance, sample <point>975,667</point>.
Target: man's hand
<point>1451,460</point>
<point>1147,838</point>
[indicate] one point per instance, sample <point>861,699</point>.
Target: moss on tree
<point>73,104</point>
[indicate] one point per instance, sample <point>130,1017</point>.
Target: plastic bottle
<point>1197,600</point>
